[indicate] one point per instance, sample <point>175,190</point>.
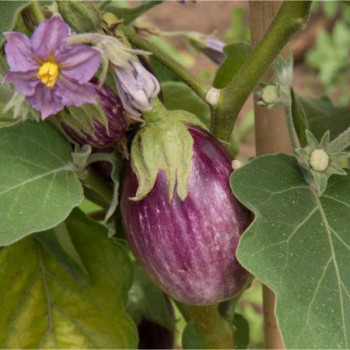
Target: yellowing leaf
<point>43,307</point>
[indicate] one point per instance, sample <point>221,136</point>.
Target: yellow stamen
<point>48,73</point>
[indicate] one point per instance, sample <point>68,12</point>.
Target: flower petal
<point>80,62</point>
<point>45,100</point>
<point>73,93</point>
<point>19,52</point>
<point>24,82</point>
<point>49,39</point>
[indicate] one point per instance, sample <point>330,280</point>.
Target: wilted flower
<point>99,135</point>
<point>207,44</point>
<point>47,71</point>
<point>136,87</point>
<point>214,49</point>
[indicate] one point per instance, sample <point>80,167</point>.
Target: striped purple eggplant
<point>188,247</point>
<point>102,136</point>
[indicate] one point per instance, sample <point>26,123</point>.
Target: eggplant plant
<point>127,222</point>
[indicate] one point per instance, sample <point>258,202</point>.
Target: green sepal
<point>82,16</point>
<point>164,144</point>
<point>81,119</point>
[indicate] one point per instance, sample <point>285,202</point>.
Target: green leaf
<point>38,188</point>
<point>236,55</point>
<point>147,301</point>
<point>42,307</point>
<point>191,338</point>
<point>318,116</point>
<point>130,14</point>
<point>59,243</point>
<point>241,332</point>
<point>298,245</point>
<point>9,12</point>
<point>179,95</point>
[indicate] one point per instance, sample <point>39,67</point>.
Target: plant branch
<point>215,331</point>
<point>290,18</point>
<point>190,79</point>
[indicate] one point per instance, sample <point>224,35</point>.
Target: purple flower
<point>49,73</point>
<point>136,87</point>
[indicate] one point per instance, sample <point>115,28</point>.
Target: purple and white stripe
<point>188,247</point>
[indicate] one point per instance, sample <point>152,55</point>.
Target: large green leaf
<point>318,116</point>
<point>9,11</point>
<point>299,246</point>
<point>147,301</point>
<point>43,307</point>
<point>178,95</point>
<point>236,54</point>
<point>38,188</point>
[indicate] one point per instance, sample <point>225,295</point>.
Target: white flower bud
<point>270,94</point>
<point>236,164</point>
<point>319,160</point>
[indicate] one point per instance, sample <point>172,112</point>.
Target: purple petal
<point>80,62</point>
<point>73,93</point>
<point>19,52</point>
<point>25,82</point>
<point>49,39</point>
<point>45,100</point>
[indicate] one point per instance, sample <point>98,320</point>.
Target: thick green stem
<point>37,12</point>
<point>215,332</point>
<point>288,21</point>
<point>190,79</point>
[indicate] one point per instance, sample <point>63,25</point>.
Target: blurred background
<point>321,55</point>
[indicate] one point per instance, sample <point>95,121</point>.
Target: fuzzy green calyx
<point>164,144</point>
<point>320,160</point>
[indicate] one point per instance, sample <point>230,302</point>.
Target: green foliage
<point>179,95</point>
<point>236,54</point>
<point>191,338</point>
<point>130,14</point>
<point>38,188</point>
<point>147,301</point>
<point>298,245</point>
<point>318,116</point>
<point>59,243</point>
<point>9,12</point>
<point>43,307</point>
<point>241,332</point>
<point>239,30</point>
<point>330,56</point>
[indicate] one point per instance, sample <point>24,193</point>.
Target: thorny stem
<point>190,79</point>
<point>37,12</point>
<point>290,18</point>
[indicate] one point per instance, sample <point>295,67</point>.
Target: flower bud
<point>319,160</point>
<point>82,16</point>
<point>136,87</point>
<point>99,133</point>
<point>270,94</point>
